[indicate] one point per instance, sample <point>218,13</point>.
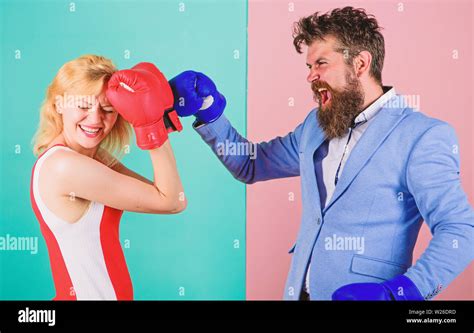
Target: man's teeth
<point>89,129</point>
<point>324,94</point>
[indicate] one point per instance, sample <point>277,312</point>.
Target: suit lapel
<point>375,134</point>
<point>314,139</point>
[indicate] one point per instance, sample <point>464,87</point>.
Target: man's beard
<point>338,115</point>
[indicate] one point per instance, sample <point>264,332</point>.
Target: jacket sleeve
<point>252,162</point>
<point>433,180</point>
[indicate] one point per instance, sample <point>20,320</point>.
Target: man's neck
<point>372,94</point>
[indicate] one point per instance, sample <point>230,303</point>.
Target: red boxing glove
<point>137,95</point>
<point>171,118</point>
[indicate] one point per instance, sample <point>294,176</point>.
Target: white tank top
<point>86,257</point>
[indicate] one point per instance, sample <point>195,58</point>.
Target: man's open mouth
<point>325,96</point>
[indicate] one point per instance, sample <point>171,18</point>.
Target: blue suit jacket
<point>404,169</point>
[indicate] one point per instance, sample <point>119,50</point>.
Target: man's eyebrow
<point>318,59</point>
<point>321,58</point>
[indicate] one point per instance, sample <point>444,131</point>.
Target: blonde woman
<point>79,189</point>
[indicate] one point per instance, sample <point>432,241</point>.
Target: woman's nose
<point>95,113</point>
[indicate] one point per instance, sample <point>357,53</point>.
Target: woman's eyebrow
<point>83,99</point>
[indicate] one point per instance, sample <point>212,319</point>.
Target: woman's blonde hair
<point>85,75</point>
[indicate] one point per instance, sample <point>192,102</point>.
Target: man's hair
<point>354,30</point>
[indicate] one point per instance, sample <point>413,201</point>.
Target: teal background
<point>195,250</point>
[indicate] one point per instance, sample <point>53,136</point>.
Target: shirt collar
<point>375,107</point>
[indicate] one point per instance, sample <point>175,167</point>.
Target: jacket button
<point>318,221</point>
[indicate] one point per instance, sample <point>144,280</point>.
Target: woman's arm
<point>80,176</point>
<point>140,95</point>
<point>119,167</point>
<point>106,158</point>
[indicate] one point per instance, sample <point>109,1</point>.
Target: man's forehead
<point>321,48</point>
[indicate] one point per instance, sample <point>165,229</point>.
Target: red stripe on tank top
<point>62,280</point>
<point>113,254</point>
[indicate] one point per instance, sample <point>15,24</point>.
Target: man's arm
<point>250,162</point>
<point>432,176</point>
<point>196,94</point>
<point>433,180</point>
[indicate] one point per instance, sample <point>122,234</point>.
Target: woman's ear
<point>58,104</point>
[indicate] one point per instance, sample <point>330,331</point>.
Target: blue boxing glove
<point>400,288</point>
<point>196,94</point>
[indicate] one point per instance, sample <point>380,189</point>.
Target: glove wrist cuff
<point>212,113</point>
<point>403,289</point>
<point>172,122</point>
<point>151,136</point>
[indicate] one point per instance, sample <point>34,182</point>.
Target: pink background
<point>419,46</point>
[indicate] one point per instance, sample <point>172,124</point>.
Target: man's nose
<point>312,76</point>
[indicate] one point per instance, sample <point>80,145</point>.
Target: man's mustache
<point>317,84</point>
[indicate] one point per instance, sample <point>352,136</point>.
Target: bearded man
<point>371,170</point>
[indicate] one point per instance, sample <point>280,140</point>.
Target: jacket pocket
<point>378,268</point>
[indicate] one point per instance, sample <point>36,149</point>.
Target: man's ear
<point>362,63</point>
